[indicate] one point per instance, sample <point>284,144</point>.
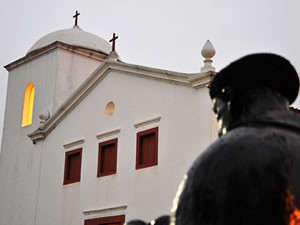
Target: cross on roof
<point>76,17</point>
<point>113,40</point>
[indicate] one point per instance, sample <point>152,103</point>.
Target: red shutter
<point>76,161</point>
<point>107,160</point>
<point>72,166</point>
<point>147,148</point>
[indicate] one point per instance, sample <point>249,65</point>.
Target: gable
<point>193,81</point>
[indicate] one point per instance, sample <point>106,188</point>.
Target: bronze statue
<point>251,174</point>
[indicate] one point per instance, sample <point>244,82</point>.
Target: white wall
<point>184,131</point>
<point>20,159</point>
<point>72,70</point>
<point>3,85</point>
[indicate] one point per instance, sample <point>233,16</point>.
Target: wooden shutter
<point>107,160</point>
<point>147,148</point>
<point>73,166</point>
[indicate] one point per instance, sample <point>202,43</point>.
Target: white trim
<point>90,53</point>
<point>112,211</point>
<point>201,80</point>
<point>151,73</point>
<point>108,133</point>
<point>74,143</point>
<point>147,122</point>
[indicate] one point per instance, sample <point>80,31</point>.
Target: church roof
<point>74,36</point>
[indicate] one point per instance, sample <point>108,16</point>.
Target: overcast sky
<point>167,34</point>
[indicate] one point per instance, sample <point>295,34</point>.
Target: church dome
<point>74,36</point>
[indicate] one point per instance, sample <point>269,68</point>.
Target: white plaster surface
<point>32,190</point>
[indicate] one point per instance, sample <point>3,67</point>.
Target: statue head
<point>248,79</point>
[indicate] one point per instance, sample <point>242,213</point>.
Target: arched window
<point>28,105</point>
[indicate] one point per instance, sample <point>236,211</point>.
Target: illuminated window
<point>28,105</point>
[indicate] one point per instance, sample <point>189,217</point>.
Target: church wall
<point>184,131</point>
<point>42,72</point>
<point>20,159</point>
<point>72,70</point>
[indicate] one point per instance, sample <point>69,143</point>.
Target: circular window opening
<point>110,108</point>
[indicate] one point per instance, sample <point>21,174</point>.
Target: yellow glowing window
<point>28,105</point>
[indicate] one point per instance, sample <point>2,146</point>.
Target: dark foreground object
<point>162,220</point>
<point>251,174</point>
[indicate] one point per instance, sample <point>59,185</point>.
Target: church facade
<point>89,139</point>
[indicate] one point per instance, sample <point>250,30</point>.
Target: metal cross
<point>76,17</point>
<point>113,40</point>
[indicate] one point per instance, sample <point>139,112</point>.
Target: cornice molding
<point>108,133</point>
<point>202,80</point>
<point>97,55</point>
<point>147,122</point>
<point>73,143</point>
<point>116,210</point>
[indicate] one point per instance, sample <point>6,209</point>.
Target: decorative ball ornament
<point>44,116</point>
<point>208,51</point>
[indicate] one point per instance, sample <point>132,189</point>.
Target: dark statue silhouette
<point>251,174</point>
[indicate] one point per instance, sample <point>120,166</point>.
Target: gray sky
<point>167,34</point>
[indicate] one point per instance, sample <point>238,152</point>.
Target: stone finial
<point>44,116</point>
<point>208,51</point>
<point>113,56</point>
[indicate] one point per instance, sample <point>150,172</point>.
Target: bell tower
<point>38,84</point>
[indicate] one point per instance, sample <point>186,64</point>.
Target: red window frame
<point>107,158</point>
<point>73,160</point>
<point>110,220</point>
<point>147,148</point>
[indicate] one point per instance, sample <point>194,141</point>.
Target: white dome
<point>74,36</point>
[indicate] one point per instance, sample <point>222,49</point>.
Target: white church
<point>91,140</point>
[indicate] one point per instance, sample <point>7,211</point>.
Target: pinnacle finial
<point>113,56</point>
<point>208,52</point>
